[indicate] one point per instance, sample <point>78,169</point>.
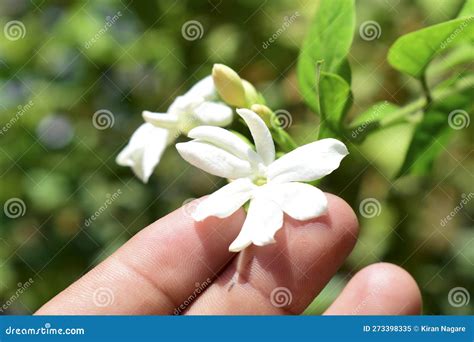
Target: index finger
<point>155,271</point>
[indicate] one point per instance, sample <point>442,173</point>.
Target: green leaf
<point>467,9</point>
<point>413,52</point>
<point>374,113</point>
<point>329,40</point>
<point>428,141</point>
<point>335,98</point>
<point>368,121</point>
<point>434,131</point>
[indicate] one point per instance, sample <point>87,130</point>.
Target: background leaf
<point>428,140</point>
<point>413,52</point>
<point>329,39</point>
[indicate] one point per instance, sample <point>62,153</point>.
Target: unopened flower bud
<point>264,112</point>
<point>229,85</point>
<point>251,94</point>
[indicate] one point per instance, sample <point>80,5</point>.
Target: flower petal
<point>299,200</point>
<point>264,219</point>
<point>226,140</point>
<point>261,135</point>
<point>308,162</point>
<point>144,150</point>
<point>214,114</point>
<point>214,160</point>
<point>163,120</point>
<point>204,88</point>
<point>225,201</point>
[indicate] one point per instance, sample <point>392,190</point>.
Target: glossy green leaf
<point>328,40</point>
<point>413,52</point>
<point>434,131</point>
<point>428,140</point>
<point>335,98</point>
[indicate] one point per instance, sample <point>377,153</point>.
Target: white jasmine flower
<point>272,186</point>
<point>197,107</point>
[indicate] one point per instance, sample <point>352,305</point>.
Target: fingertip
<point>398,287</point>
<point>379,289</point>
<point>339,210</point>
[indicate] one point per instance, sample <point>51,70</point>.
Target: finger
<point>155,271</point>
<point>379,289</point>
<point>284,277</point>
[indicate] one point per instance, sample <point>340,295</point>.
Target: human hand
<point>160,269</point>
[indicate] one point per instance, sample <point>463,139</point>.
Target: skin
<point>158,269</point>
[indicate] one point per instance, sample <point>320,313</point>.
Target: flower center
<point>260,181</point>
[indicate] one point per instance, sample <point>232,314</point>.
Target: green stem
<point>426,91</point>
<point>437,95</point>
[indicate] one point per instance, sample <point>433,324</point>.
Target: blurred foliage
<point>62,167</point>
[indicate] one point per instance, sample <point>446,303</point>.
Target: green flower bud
<point>229,85</point>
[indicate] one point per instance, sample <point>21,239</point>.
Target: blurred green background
<point>61,167</point>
